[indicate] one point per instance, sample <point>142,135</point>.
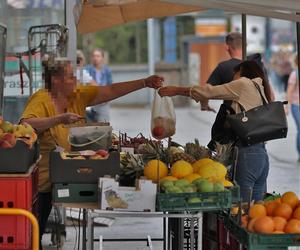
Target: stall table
<point>91,211</point>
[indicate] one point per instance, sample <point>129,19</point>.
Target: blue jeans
<point>296,114</point>
<point>252,171</point>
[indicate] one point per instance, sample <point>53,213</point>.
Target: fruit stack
<point>9,134</point>
<point>190,186</point>
<point>279,216</point>
<point>17,140</point>
<point>204,175</point>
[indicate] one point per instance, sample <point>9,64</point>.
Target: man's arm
<point>111,92</point>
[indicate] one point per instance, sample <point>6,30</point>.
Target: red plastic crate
<point>17,191</point>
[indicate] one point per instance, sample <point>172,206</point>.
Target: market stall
<point>118,176</point>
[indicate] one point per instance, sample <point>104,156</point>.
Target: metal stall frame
<point>52,40</point>
<point>3,35</point>
<point>33,221</point>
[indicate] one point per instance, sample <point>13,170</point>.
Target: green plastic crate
<point>255,241</point>
<point>214,201</point>
<point>179,202</point>
<point>74,193</point>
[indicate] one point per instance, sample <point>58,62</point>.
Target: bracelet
<point>144,82</point>
<point>191,93</point>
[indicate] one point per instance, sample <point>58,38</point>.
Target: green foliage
<point>128,43</point>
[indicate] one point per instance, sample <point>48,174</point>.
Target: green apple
<point>181,183</point>
<point>206,187</point>
<point>193,200</point>
<point>218,187</point>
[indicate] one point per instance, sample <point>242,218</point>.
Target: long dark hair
<point>251,70</point>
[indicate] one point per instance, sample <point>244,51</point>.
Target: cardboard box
<point>139,198</point>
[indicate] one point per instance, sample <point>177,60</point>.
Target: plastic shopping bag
<point>163,118</point>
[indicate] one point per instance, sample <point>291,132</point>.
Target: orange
<point>250,226</point>
<point>283,210</point>
<point>296,214</point>
<point>264,225</point>
<point>279,223</point>
<point>290,198</point>
<point>298,204</point>
<point>257,210</point>
<point>278,232</point>
<point>270,206</point>
<point>278,200</point>
<point>292,226</point>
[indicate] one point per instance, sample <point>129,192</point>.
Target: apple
<point>8,141</point>
<point>102,153</point>
<point>158,131</point>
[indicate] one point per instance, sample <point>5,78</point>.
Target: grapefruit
<point>155,170</point>
<point>181,169</point>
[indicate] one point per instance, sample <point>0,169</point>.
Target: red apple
<point>158,131</point>
<point>102,153</point>
<point>8,140</point>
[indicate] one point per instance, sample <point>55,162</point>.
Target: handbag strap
<point>261,95</point>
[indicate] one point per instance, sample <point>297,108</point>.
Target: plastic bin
<point>73,193</point>
<point>90,137</point>
<point>253,241</point>
<point>82,171</point>
<point>18,191</point>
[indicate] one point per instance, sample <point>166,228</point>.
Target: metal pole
<point>244,35</point>
<point>70,23</point>
<point>298,49</point>
<point>151,52</point>
<point>151,45</point>
<point>2,66</point>
<point>84,226</point>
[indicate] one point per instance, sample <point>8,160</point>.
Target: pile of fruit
<point>10,133</point>
<point>85,155</point>
<point>278,216</point>
<point>204,175</point>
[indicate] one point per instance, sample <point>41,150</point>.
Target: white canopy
<point>281,9</point>
<point>96,15</point>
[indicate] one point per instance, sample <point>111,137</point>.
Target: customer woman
<point>253,163</point>
<point>292,97</point>
<point>61,103</point>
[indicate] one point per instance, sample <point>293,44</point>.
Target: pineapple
<point>182,156</point>
<point>197,151</point>
<point>132,166</point>
<point>223,153</point>
<point>154,150</point>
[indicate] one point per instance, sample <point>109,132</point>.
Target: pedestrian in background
<point>293,99</point>
<point>101,74</point>
<point>83,77</point>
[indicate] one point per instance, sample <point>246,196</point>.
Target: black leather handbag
<point>263,123</point>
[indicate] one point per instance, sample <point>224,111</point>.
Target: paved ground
<point>191,123</point>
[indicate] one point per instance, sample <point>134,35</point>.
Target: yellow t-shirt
<point>40,105</point>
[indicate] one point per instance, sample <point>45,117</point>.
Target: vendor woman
<point>60,103</point>
<point>253,163</point>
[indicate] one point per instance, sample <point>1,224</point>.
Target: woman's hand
<point>168,91</point>
<point>154,81</point>
<point>69,118</point>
